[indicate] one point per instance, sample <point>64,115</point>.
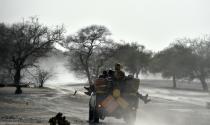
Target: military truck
<point>112,98</point>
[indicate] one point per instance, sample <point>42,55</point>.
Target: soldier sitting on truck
<point>119,75</point>
<point>104,74</point>
<point>91,88</point>
<point>114,75</point>
<point>110,74</point>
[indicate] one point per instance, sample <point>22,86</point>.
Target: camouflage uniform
<point>119,74</point>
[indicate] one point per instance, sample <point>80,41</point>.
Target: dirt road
<point>37,106</point>
<point>160,111</point>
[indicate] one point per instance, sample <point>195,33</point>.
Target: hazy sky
<point>154,23</point>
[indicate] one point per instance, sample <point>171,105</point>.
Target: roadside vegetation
<point>92,50</point>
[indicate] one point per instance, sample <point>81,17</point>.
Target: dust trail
<point>57,65</point>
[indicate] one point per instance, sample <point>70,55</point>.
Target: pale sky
<point>153,23</point>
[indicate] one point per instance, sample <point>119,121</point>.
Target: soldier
<point>104,75</point>
<point>91,88</point>
<point>119,74</point>
<point>118,77</point>
<point>111,74</point>
<point>143,98</point>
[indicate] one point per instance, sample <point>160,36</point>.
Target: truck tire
<point>96,117</point>
<point>130,118</point>
<point>91,112</point>
<point>93,115</point>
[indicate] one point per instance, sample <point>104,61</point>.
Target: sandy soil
<point>23,109</point>
<point>35,107</point>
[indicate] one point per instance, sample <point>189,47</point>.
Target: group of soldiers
<point>117,76</point>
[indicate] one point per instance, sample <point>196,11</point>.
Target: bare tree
<point>82,46</point>
<point>30,41</point>
<point>42,76</point>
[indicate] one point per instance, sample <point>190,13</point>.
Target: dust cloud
<point>56,64</point>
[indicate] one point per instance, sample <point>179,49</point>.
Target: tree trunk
<point>138,72</point>
<point>204,84</point>
<point>88,75</point>
<point>133,74</point>
<point>137,75</point>
<point>41,84</point>
<point>17,81</point>
<point>174,81</point>
<point>97,72</point>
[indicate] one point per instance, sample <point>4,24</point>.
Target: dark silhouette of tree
<point>102,59</point>
<point>201,63</point>
<point>83,45</point>
<point>29,41</point>
<point>4,45</point>
<point>4,52</point>
<point>134,57</point>
<point>173,61</point>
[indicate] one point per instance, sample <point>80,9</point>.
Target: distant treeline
<point>91,50</point>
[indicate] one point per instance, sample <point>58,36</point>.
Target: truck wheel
<point>130,118</point>
<point>91,113</point>
<point>96,117</point>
